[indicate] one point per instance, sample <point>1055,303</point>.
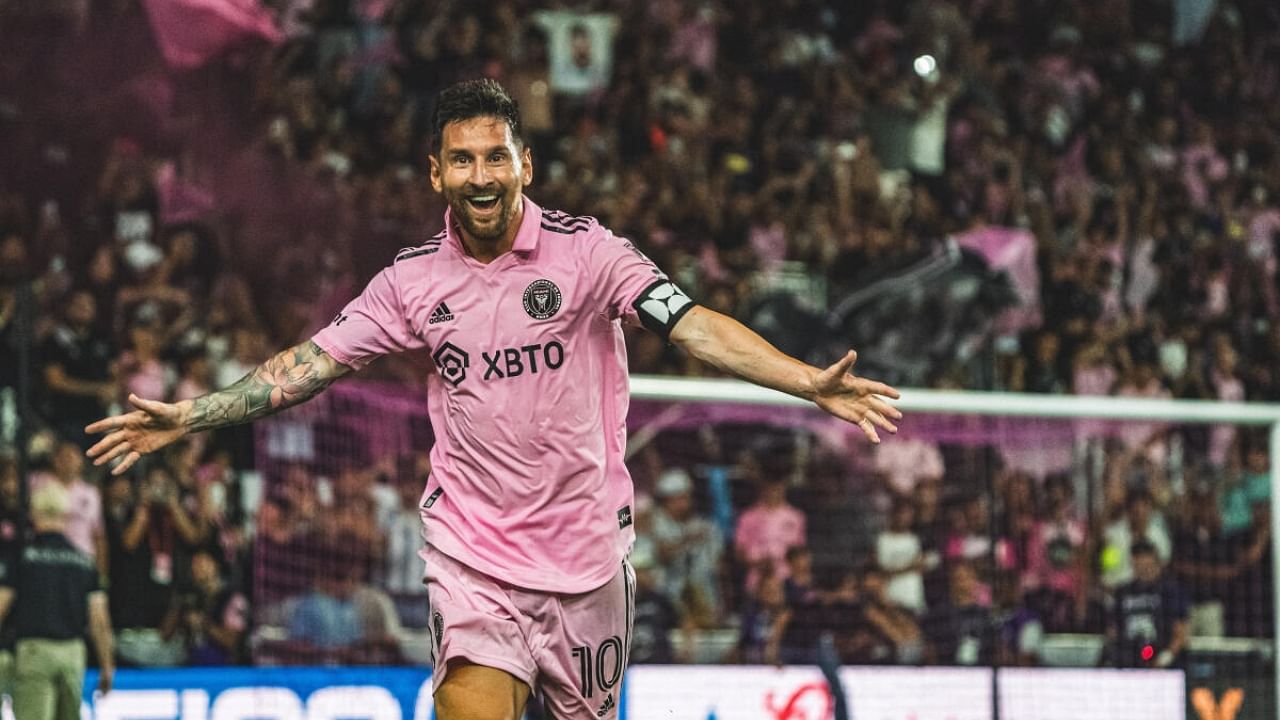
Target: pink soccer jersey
<point>529,395</point>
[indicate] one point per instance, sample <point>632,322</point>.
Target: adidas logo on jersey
<point>606,707</point>
<point>440,314</point>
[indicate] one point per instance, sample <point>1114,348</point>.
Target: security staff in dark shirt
<point>1148,625</point>
<point>54,593</point>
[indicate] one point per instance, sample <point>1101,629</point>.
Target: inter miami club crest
<point>541,299</point>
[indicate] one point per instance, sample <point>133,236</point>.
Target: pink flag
<point>192,32</point>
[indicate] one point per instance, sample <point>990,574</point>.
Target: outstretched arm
<point>733,347</point>
<point>291,377</point>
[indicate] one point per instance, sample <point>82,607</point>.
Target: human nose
<point>479,176</point>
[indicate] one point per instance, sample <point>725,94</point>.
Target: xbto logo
<point>511,362</point>
<point>452,361</point>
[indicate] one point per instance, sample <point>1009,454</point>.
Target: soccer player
<point>528,509</point>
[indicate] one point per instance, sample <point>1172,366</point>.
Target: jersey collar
<point>526,237</point>
<point>530,227</point>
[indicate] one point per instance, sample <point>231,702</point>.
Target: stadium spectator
<point>83,524</point>
<point>54,596</point>
<point>966,538</point>
<point>1204,562</point>
<point>140,587</point>
<point>1054,579</point>
<point>766,530</point>
<point>812,611</point>
<point>287,527</point>
<point>1140,522</point>
<point>1251,589</point>
<point>898,637</point>
<point>906,464</point>
<point>1246,486</point>
<point>760,631</point>
<point>208,616</point>
<point>342,619</point>
<point>656,617</point>
<point>402,528</point>
<point>690,549</point>
<point>12,536</point>
<point>12,515</point>
<point>78,368</point>
<point>13,259</point>
<point>900,554</point>
<point>142,371</point>
<point>1147,615</point>
<point>961,630</point>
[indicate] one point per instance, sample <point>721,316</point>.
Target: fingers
<point>881,421</point>
<point>119,448</point>
<point>834,375</point>
<point>869,430</point>
<point>884,408</point>
<point>127,463</point>
<point>864,386</point>
<point>880,388</point>
<point>115,422</point>
<point>151,407</point>
<point>105,443</point>
<point>842,366</point>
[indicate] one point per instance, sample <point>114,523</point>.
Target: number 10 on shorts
<point>605,666</point>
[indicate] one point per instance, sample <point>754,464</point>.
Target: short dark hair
<point>472,99</point>
<point>1143,547</point>
<point>1136,496</point>
<point>796,551</point>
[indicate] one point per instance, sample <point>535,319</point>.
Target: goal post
<point>1025,405</point>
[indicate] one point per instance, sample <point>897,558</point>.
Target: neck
<point>486,250</point>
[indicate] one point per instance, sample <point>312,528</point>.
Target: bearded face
<point>482,170</point>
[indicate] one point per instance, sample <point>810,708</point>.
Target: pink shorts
<point>570,648</point>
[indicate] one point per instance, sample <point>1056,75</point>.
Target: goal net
<point>1002,556</point>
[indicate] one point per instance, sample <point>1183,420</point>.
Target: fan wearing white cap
<point>690,548</point>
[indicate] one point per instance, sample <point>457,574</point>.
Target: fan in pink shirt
<point>766,531</point>
<point>528,509</point>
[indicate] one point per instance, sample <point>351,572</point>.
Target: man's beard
<point>462,210</point>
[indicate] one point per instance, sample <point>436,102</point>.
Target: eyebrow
<point>459,152</point>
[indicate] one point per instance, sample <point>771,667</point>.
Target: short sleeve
<point>52,353</point>
<point>93,580</point>
<point>630,286</point>
<point>370,326</point>
<point>1179,602</point>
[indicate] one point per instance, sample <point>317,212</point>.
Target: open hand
<point>151,426</point>
<point>854,399</point>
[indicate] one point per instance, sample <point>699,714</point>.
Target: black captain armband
<point>661,306</point>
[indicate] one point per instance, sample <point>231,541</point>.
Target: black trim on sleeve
<point>415,252</point>
<point>661,305</point>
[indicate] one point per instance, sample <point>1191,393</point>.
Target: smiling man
<point>528,510</point>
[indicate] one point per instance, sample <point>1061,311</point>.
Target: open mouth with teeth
<point>483,203</point>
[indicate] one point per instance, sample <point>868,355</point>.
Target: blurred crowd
<point>167,228</point>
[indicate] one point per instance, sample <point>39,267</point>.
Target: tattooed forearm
<point>291,377</point>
